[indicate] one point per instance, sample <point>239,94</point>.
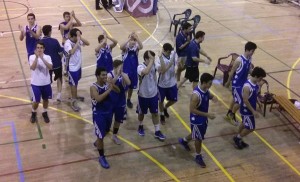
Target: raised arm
<point>78,23</point>
<point>22,32</point>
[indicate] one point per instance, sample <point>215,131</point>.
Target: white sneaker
<point>116,139</point>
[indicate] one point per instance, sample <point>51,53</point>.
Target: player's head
<point>186,27</point>
<point>73,34</point>
<point>258,74</point>
<point>146,56</point>
<point>31,18</point>
<point>101,39</point>
<point>47,29</point>
<point>250,48</point>
<point>67,16</point>
<point>101,75</point>
<point>206,80</point>
<point>40,47</point>
<point>200,36</point>
<point>167,49</point>
<point>117,63</point>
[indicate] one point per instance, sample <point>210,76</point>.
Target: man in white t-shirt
<point>72,47</point>
<point>147,94</point>
<point>40,64</point>
<point>167,86</point>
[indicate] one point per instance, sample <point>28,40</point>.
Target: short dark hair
<point>186,25</point>
<point>168,47</point>
<point>199,34</point>
<point>66,13</point>
<point>250,46</point>
<point>40,43</point>
<point>146,56</point>
<point>31,14</point>
<point>47,29</point>
<point>206,77</point>
<point>258,72</point>
<point>100,38</point>
<point>117,63</point>
<point>73,32</point>
<point>99,70</point>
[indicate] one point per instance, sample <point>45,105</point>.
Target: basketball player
<point>130,51</point>
<point>72,46</point>
<point>40,64</point>
<point>32,32</point>
<point>199,116</point>
<point>248,107</point>
<point>68,24</point>
<point>167,86</point>
<point>102,110</point>
<point>147,94</point>
<point>238,75</point>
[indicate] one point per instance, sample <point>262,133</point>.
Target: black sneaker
<point>199,160</point>
<point>129,104</point>
<point>166,113</point>
<point>46,118</point>
<point>33,118</point>
<point>162,119</point>
<point>237,142</point>
<point>244,145</point>
<point>80,98</point>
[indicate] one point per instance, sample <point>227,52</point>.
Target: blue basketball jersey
<point>202,106</point>
<point>104,59</point>
<point>30,40</point>
<point>130,59</point>
<point>118,99</point>
<point>105,105</point>
<point>252,98</point>
<point>65,33</point>
<point>241,74</point>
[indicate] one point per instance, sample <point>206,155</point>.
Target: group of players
<point>116,80</point>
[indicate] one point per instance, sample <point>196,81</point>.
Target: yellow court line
<point>289,78</point>
<point>180,118</point>
<point>123,139</point>
<point>261,138</point>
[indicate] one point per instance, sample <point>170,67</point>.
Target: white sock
<point>141,122</point>
<point>59,95</point>
<point>184,139</point>
<point>198,154</point>
<point>33,110</point>
<point>162,113</point>
<point>156,127</point>
<point>44,109</point>
<point>239,136</point>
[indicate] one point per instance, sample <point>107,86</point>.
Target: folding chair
<point>187,13</point>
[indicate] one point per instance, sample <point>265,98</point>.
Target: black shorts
<point>57,73</point>
<point>192,74</point>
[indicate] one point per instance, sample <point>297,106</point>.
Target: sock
<point>229,111</point>
<point>101,152</point>
<point>58,94</point>
<point>184,139</point>
<point>33,110</point>
<point>44,109</point>
<point>238,136</point>
<point>115,131</point>
<point>141,123</point>
<point>198,154</point>
<point>156,127</point>
<point>162,113</point>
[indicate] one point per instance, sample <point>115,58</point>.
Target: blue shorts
<point>249,122</point>
<point>102,123</point>
<point>147,103</point>
<point>170,93</point>
<point>41,91</point>
<point>198,131</point>
<point>182,53</point>
<point>120,113</point>
<point>237,95</point>
<point>133,79</point>
<point>74,77</point>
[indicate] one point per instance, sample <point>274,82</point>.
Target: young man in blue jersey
<point>238,76</point>
<point>118,100</point>
<point>193,59</point>
<point>40,64</point>
<point>182,41</point>
<point>72,47</point>
<point>104,52</point>
<point>248,107</point>
<point>199,115</point>
<point>32,32</point>
<point>130,50</point>
<point>102,110</point>
<point>55,51</point>
<point>167,86</point>
<point>147,94</point>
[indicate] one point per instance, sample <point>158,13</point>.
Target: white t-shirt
<point>148,83</point>
<point>40,76</point>
<point>168,79</point>
<point>76,58</point>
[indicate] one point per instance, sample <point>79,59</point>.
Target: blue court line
<point>18,156</point>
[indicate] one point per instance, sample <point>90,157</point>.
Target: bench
<point>284,104</point>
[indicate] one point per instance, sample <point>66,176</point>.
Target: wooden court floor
<point>63,149</point>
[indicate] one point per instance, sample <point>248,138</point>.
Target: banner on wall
<point>139,8</point>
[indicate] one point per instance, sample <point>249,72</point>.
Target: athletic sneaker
<point>237,142</point>
<point>103,162</point>
<point>230,117</point>
<point>159,135</point>
<point>244,145</point>
<point>74,105</point>
<point>184,144</point>
<point>33,118</point>
<point>46,118</point>
<point>162,119</point>
<point>166,113</point>
<point>141,130</point>
<point>80,98</point>
<point>116,140</point>
<point>199,160</point>
<point>129,104</point>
